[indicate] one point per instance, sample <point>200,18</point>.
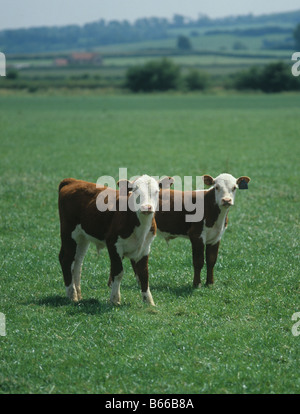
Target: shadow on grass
<point>88,306</point>
<point>183,291</point>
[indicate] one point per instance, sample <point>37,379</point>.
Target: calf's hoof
<point>72,293</point>
<point>115,300</point>
<point>147,298</point>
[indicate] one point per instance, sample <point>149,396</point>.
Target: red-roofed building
<point>82,58</point>
<point>79,58</point>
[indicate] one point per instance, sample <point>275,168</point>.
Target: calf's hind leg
<point>116,274</point>
<point>71,257</point>
<point>81,249</point>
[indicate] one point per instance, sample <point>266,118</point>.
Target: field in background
<point>218,49</point>
<point>233,338</point>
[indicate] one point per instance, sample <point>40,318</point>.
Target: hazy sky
<point>26,13</point>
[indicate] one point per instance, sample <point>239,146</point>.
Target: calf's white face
<point>145,191</point>
<point>225,188</point>
<point>143,194</point>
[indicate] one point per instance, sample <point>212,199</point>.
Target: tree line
<point>102,32</point>
<point>163,75</point>
<point>74,37</point>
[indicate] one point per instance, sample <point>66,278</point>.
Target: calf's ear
<point>242,182</point>
<point>125,186</point>
<point>166,182</point>
<point>208,180</point>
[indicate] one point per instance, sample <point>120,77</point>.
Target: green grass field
<point>235,337</point>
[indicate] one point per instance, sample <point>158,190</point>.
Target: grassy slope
<point>233,338</point>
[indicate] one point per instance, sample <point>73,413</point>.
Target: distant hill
<point>100,33</point>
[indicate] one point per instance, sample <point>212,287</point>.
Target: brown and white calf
<point>123,231</point>
<point>206,233</point>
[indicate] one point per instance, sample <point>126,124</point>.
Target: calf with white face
<point>127,228</point>
<point>223,194</point>
<point>218,199</point>
<point>205,235</point>
<point>225,188</point>
<point>144,197</point>
<point>142,200</point>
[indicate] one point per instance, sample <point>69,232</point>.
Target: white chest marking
<point>214,234</point>
<point>138,243</point>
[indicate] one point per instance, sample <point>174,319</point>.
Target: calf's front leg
<point>211,258</point>
<point>133,265</point>
<point>198,259</point>
<point>141,269</point>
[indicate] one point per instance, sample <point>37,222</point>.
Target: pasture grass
<point>232,338</point>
